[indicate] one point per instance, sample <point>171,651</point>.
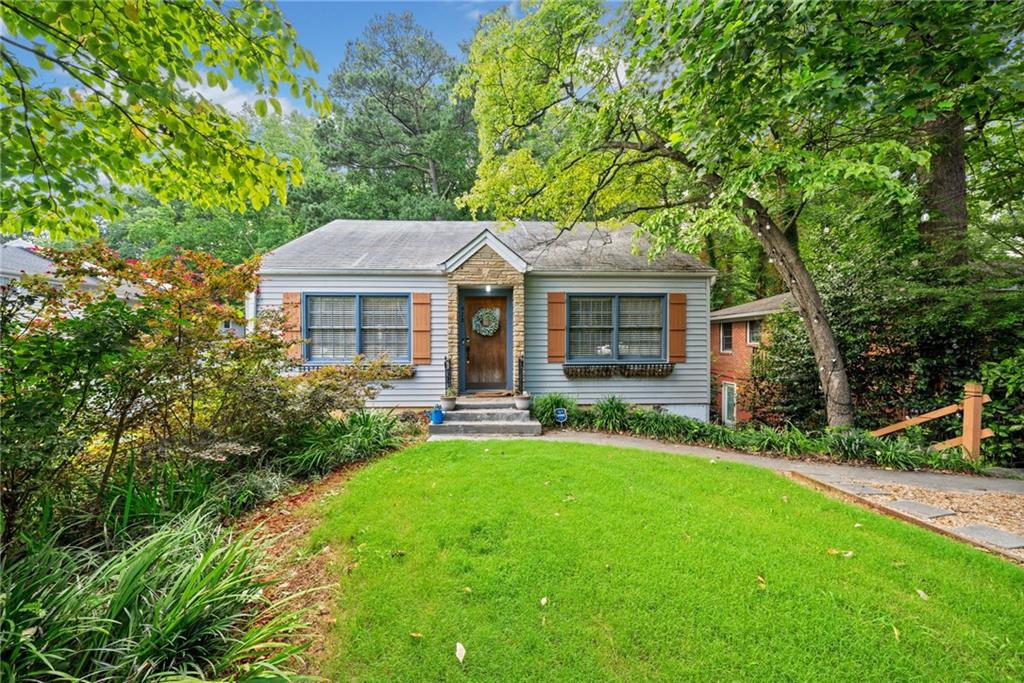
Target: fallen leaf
<point>460,652</point>
<point>543,601</point>
<point>848,553</point>
<point>569,498</point>
<point>921,594</point>
<point>416,634</point>
<point>785,499</point>
<point>833,551</point>
<point>712,461</point>
<point>857,525</point>
<point>467,589</point>
<point>761,583</point>
<point>895,631</point>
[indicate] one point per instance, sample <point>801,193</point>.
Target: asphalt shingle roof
<point>754,309</point>
<point>361,245</point>
<point>16,260</point>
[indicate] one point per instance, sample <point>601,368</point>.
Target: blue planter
<point>436,415</point>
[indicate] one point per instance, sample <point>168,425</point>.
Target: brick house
<point>498,308</point>
<point>736,335</point>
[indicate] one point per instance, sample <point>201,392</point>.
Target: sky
<point>324,27</point>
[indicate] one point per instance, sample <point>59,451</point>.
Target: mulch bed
<point>284,525</point>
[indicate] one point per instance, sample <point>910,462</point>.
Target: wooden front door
<point>486,359</point>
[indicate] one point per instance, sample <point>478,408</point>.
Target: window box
<point>602,370</point>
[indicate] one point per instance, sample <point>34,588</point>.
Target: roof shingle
<point>362,245</point>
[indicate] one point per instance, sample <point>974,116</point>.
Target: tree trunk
<point>945,190</point>
<point>831,368</point>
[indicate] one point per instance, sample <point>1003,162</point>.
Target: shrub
<point>337,442</point>
<point>1004,382</point>
<point>188,599</point>
<point>543,407</point>
<point>370,433</point>
<point>611,414</point>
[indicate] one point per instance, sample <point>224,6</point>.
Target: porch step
<point>488,415</point>
<point>484,404</point>
<point>504,428</point>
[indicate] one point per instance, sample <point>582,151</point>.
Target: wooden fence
<point>971,433</point>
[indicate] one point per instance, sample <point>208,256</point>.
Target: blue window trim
<point>359,296</point>
<point>615,358</point>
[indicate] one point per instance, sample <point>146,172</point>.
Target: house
<point>18,258</point>
<point>735,335</point>
<point>491,307</point>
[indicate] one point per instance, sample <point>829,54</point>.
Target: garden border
<point>836,492</point>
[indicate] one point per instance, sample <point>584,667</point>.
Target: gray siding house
<point>495,308</point>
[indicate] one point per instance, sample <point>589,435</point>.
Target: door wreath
<point>485,321</point>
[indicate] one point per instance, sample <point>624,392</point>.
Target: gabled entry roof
<point>437,246</point>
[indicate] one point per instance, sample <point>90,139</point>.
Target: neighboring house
<point>19,258</point>
<point>501,307</point>
<point>736,333</point>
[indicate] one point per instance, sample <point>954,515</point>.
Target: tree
<point>578,121</point>
<point>130,114</point>
<point>395,122</point>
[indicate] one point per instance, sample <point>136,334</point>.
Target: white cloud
<point>233,98</point>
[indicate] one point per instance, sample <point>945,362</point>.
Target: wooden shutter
<point>291,306</point>
<point>676,327</point>
<point>421,328</point>
<point>556,327</point>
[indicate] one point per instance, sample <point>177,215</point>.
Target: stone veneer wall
<point>486,267</point>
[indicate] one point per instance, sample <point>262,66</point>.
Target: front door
<point>485,342</point>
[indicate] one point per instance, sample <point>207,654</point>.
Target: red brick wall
<point>731,367</point>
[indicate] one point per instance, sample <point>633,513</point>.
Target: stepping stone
<point>859,489</point>
<point>992,536</point>
<point>920,509</point>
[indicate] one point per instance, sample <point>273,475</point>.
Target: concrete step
<point>498,429</point>
<point>495,415</point>
<point>484,404</point>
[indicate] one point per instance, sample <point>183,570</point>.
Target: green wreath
<point>485,321</point>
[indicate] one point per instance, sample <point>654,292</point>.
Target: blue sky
<point>326,26</point>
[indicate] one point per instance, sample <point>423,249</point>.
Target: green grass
<point>650,564</point>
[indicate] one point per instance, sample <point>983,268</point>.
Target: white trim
<point>725,418</point>
<point>753,343</point>
<point>721,338</point>
<point>486,238</point>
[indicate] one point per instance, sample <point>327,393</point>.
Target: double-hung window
<point>754,332</point>
<point>726,337</point>
<point>342,326</point>
<point>616,328</point>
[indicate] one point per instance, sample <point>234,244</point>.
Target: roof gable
<point>486,238</point>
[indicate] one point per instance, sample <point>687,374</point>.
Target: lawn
<point>652,566</point>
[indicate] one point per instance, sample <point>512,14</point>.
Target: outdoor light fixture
<point>488,289</point>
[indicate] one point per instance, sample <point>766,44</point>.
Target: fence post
<point>972,421</point>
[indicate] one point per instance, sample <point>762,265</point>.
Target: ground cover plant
<point>568,562</point>
<point>134,431</point>
<point>843,444</point>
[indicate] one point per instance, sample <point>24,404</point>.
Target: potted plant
<point>523,401</point>
<point>448,400</point>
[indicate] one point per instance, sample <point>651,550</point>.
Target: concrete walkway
<point>822,471</point>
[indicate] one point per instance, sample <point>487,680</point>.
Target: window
<point>726,337</point>
<point>728,403</point>
<point>616,328</point>
<point>754,332</point>
<point>340,327</point>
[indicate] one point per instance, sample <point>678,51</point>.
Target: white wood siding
<point>427,386</point>
<point>685,391</point>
